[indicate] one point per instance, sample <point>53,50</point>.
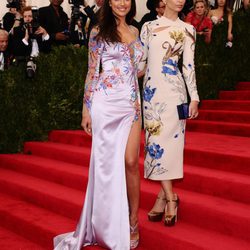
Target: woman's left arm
<point>230,27</point>
<point>188,70</point>
<point>144,40</point>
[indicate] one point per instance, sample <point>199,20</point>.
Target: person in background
<point>165,41</point>
<point>222,14</point>
<point>4,56</point>
<point>78,35</point>
<point>246,4</point>
<point>198,18</point>
<point>111,115</point>
<point>56,22</point>
<point>156,8</point>
<point>92,13</point>
<point>188,6</point>
<point>27,42</point>
<point>13,18</point>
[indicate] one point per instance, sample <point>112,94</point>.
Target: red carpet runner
<point>42,190</point>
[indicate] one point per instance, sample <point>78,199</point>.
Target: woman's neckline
<point>130,43</point>
<point>171,20</point>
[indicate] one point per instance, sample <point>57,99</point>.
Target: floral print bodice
<point>112,65</point>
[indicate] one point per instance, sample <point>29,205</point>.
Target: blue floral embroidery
<point>168,70</point>
<point>148,93</point>
<point>155,151</point>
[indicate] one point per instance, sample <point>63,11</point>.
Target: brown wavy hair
<point>107,22</point>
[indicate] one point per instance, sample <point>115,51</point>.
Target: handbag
<point>183,111</point>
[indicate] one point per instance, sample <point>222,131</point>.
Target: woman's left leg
<point>132,171</point>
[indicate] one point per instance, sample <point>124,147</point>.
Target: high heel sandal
<point>156,216</point>
<point>134,231</point>
<point>170,220</point>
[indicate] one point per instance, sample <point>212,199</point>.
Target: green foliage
<point>52,100</point>
<point>29,108</point>
<point>220,68</point>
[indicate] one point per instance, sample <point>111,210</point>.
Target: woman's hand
<point>230,37</point>
<point>193,109</point>
<point>86,121</point>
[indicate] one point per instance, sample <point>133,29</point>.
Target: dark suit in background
<point>53,23</point>
<point>20,49</point>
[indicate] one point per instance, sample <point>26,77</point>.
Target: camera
<point>13,4</point>
<point>31,68</point>
<point>76,14</point>
<point>75,9</point>
<point>34,25</point>
<point>76,2</point>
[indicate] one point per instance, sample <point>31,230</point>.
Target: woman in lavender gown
<point>111,114</point>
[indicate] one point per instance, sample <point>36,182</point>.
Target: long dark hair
<point>107,22</point>
<point>226,9</point>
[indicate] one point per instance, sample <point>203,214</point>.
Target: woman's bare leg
<point>132,170</point>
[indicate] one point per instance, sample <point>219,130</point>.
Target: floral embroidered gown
<point>164,41</point>
<point>112,97</point>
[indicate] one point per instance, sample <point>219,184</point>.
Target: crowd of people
<point>26,31</point>
<point>32,30</point>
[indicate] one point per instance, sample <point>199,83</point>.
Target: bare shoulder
<point>95,29</point>
<point>134,30</point>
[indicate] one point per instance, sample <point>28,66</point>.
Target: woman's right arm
<point>94,57</point>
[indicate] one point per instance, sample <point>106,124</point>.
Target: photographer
<point>56,22</point>
<point>29,38</point>
<point>13,18</point>
<point>198,18</point>
<point>78,22</point>
<point>92,13</point>
<point>4,56</point>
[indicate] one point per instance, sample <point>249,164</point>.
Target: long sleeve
<point>188,63</point>
<point>144,36</point>
<point>94,59</point>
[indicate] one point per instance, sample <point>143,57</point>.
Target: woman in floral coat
<point>165,41</point>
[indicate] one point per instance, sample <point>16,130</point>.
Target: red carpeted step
<point>225,116</point>
<point>12,241</point>
<point>218,213</point>
<point>220,152</point>
<point>243,86</point>
<point>32,222</point>
<point>225,105</point>
<point>185,236</point>
<point>60,199</point>
<point>198,146</point>
<point>154,236</point>
<point>70,175</point>
<point>68,202</point>
<point>73,137</point>
<point>235,95</point>
<point>236,187</point>
<point>63,152</point>
<point>215,127</point>
<point>206,181</point>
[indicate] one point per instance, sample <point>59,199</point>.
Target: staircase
<point>42,190</point>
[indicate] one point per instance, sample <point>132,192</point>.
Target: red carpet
<point>42,190</point>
